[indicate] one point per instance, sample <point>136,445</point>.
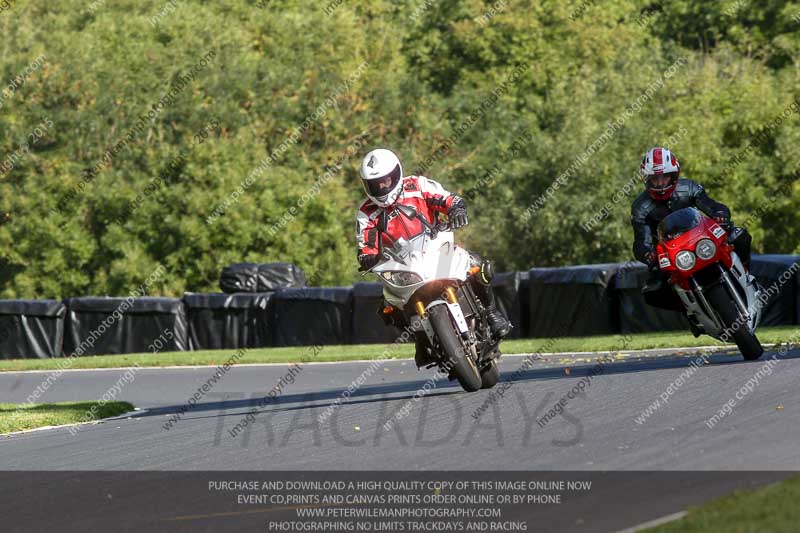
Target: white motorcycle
<point>426,278</point>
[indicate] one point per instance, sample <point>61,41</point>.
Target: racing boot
<point>424,355</point>
<point>693,325</point>
<point>499,324</point>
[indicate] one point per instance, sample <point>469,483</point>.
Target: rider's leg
<point>658,293</point>
<point>423,355</point>
<point>481,285</point>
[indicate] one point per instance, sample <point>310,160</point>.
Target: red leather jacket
<point>427,196</point>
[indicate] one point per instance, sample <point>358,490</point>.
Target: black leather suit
<point>647,213</point>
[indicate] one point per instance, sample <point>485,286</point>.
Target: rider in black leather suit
<point>667,192</point>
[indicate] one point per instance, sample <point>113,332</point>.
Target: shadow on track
<point>362,395</point>
<point>379,393</point>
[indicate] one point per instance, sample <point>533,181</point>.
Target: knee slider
<point>486,272</point>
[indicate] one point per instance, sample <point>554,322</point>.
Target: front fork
<point>455,312</point>
<point>724,278</point>
<point>449,298</point>
<point>701,297</point>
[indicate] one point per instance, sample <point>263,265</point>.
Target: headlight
<point>685,260</point>
<point>401,279</point>
<point>705,249</point>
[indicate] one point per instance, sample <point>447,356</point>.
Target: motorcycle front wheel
<point>728,311</point>
<point>461,365</point>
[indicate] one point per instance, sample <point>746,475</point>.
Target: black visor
<point>381,187</point>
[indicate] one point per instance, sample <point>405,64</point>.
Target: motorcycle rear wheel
<point>490,375</point>
<point>461,365</point>
<point>745,340</point>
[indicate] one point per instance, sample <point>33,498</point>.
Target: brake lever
<point>370,269</point>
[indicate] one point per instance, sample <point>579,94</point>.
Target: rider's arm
<point>707,205</point>
<point>436,196</point>
<point>367,239</point>
<point>643,249</point>
<point>443,201</point>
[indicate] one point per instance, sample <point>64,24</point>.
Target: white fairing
<point>430,259</point>
<point>710,324</point>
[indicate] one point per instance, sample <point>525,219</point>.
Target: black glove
<point>367,261</point>
<point>724,221</point>
<point>652,261</point>
<point>458,218</point>
<point>458,213</point>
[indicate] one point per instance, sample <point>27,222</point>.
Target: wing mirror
<point>407,210</point>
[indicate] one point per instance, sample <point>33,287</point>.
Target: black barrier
<point>368,326</point>
<point>543,302</point>
<point>509,296</point>
<point>218,320</point>
<point>635,316</point>
<point>260,277</point>
<point>781,309</point>
<point>572,301</point>
<point>775,273</point>
<point>312,316</point>
<point>524,304</point>
<point>103,325</point>
<point>31,328</point>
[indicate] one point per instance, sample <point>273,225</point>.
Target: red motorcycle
<point>720,297</point>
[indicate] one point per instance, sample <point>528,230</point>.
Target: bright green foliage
<point>360,352</point>
<point>425,67</point>
<point>19,417</point>
<point>769,508</point>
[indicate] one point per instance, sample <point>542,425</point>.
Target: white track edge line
<point>691,349</point>
<point>656,522</point>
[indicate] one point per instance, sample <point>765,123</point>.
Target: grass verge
<point>773,508</point>
<point>380,351</point>
<point>16,417</point>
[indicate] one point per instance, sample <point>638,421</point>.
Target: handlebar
<point>435,229</point>
<point>386,254</point>
<point>442,226</point>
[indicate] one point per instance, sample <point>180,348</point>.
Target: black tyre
<point>490,375</point>
<point>727,310</point>
<point>462,367</point>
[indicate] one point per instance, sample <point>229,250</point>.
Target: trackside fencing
<point>590,299</point>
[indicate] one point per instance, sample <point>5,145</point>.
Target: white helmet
<point>660,171</point>
<point>382,176</point>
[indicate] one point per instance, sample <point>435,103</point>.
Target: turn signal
<point>388,310</point>
<point>474,270</point>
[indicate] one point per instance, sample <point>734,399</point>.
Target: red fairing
<point>669,250</point>
<point>428,197</point>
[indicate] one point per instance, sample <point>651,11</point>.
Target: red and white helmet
<point>382,176</point>
<point>660,171</point>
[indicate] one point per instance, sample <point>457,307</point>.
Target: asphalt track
<point>439,430</point>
